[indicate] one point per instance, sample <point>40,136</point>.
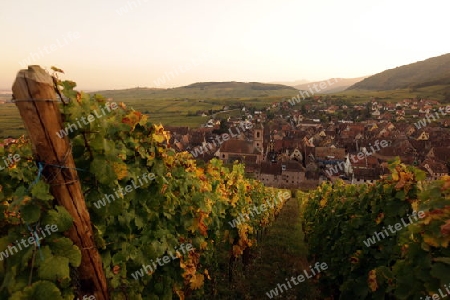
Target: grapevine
<point>338,218</point>
<point>182,204</point>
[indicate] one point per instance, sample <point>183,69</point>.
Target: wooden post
<point>35,96</point>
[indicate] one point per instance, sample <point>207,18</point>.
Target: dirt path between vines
<point>279,256</point>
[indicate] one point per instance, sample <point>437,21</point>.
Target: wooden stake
<point>36,100</point>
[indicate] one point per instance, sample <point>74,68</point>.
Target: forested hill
<point>432,71</point>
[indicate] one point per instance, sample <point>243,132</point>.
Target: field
<point>173,107</point>
<point>178,106</point>
<point>438,92</point>
<point>10,121</point>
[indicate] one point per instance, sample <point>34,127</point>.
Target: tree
<point>222,128</point>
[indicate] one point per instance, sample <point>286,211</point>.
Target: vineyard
<point>165,227</point>
<point>351,228</point>
<point>181,214</point>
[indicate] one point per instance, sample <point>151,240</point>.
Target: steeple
<point>258,137</point>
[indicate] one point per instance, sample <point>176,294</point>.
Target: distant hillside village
<point>293,147</point>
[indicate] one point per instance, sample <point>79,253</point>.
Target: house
<point>332,109</point>
<point>281,174</point>
<point>270,173</point>
<point>292,174</point>
<point>434,169</point>
<point>390,107</point>
<point>366,170</point>
<point>441,154</point>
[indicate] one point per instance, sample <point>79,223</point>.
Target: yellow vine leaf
<point>431,241</point>
<point>158,138</point>
<point>180,294</point>
<point>132,119</point>
<point>160,135</point>
<point>207,274</point>
<point>372,280</point>
<point>395,176</point>
<point>415,205</point>
<point>201,225</point>
<point>196,281</point>
<point>446,184</point>
<point>188,267</point>
<point>120,170</point>
<point>203,245</point>
<point>237,250</point>
<point>380,218</point>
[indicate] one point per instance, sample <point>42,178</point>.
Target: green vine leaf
<point>103,171</point>
<point>53,267</point>
<point>41,191</point>
<point>64,247</point>
<point>40,290</point>
<point>59,217</point>
<point>30,213</point>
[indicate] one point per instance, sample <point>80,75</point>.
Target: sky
<point>118,44</point>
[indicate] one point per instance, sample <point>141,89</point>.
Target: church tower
<point>258,137</point>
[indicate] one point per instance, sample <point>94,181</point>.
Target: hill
<point>440,93</point>
<point>430,72</point>
<point>341,85</point>
<point>181,106</point>
<point>205,91</point>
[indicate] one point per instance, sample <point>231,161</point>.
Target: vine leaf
<point>64,247</point>
<point>59,217</point>
<point>41,191</point>
<point>30,213</point>
<point>103,171</point>
<point>55,268</point>
<point>196,281</point>
<point>441,271</point>
<point>40,290</point>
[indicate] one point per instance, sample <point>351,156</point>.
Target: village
<point>301,146</point>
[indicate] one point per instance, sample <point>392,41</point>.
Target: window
<point>258,134</point>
